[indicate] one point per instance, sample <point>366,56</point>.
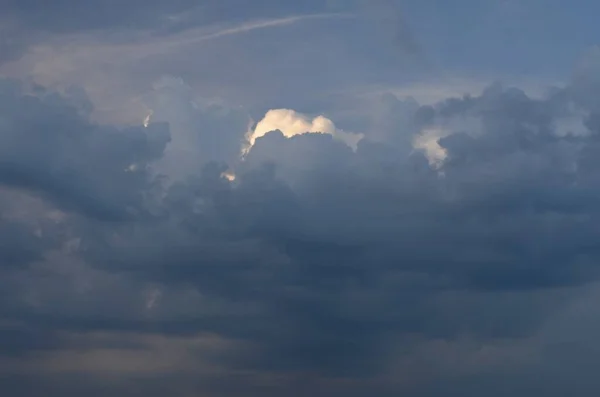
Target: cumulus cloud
<point>342,262</point>
<point>292,123</point>
<point>201,131</point>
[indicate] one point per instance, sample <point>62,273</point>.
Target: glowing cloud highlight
<point>292,123</point>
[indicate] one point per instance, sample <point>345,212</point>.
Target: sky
<point>319,197</point>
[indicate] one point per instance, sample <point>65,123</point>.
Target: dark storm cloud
<point>316,259</point>
<point>49,147</point>
<point>18,246</point>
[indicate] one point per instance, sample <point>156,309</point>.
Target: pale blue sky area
<point>528,37</point>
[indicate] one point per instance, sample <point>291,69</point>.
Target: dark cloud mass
<point>48,146</point>
<point>319,269</point>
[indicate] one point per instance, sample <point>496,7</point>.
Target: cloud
<point>344,266</point>
<point>291,123</point>
<point>168,25</point>
<point>116,51</point>
<point>248,27</point>
<point>135,13</point>
<point>51,148</point>
<point>200,131</point>
<point>428,141</point>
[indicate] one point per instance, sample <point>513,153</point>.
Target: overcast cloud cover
<point>325,198</point>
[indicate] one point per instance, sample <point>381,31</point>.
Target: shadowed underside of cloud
<point>385,269</point>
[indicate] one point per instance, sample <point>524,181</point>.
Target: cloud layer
<point>447,249</point>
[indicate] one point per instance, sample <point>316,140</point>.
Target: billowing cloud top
<point>291,123</point>
<point>350,242</point>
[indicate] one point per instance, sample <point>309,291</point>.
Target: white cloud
<point>291,123</point>
<point>428,141</point>
<point>250,26</point>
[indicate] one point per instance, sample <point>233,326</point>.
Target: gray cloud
<point>60,154</point>
<point>319,266</point>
